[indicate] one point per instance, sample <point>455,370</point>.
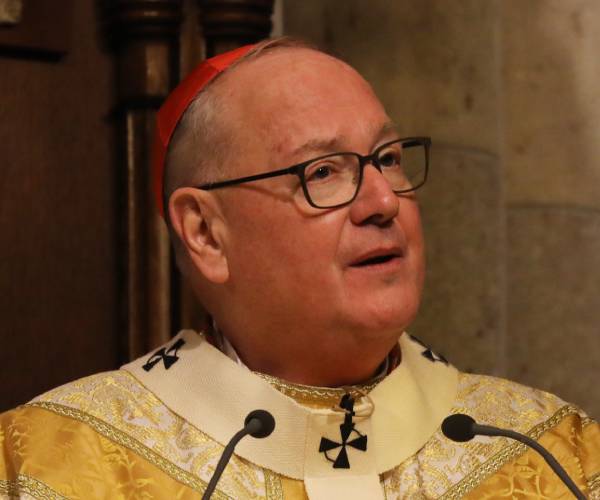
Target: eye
<point>390,158</point>
<point>323,171</point>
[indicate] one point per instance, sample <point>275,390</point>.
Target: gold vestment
<point>156,429</point>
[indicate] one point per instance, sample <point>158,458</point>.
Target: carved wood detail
<point>144,35</point>
<point>228,24</point>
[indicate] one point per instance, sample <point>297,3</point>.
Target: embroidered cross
<point>168,356</point>
<point>429,354</point>
<point>346,430</point>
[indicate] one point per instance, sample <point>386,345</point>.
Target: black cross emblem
<point>346,429</point>
<point>429,354</point>
<point>169,356</point>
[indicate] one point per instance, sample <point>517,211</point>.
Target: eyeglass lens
<point>335,180</point>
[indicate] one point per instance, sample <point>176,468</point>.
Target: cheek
<point>275,236</point>
<point>410,221</point>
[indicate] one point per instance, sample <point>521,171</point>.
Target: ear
<point>197,219</point>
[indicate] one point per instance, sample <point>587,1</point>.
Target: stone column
<point>551,79</point>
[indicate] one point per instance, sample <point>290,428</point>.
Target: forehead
<point>293,96</point>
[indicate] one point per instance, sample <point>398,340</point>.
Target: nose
<point>375,202</point>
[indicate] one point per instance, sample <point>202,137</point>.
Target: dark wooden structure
<point>87,281</point>
<point>146,36</point>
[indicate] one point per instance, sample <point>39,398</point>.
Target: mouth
<point>378,258</point>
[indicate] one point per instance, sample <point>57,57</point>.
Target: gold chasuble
<point>157,427</point>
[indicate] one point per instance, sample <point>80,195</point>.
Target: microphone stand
<point>259,424</point>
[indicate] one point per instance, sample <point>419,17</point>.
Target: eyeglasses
<point>333,180</point>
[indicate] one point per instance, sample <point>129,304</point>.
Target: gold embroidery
<point>529,476</point>
<point>508,453</point>
<point>449,470</point>
<point>29,485</point>
<point>293,489</point>
<point>273,488</point>
<point>119,401</point>
<point>315,395</point>
<point>474,479</point>
<point>76,461</point>
<point>128,442</point>
<point>119,408</point>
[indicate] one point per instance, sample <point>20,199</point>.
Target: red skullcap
<point>171,111</point>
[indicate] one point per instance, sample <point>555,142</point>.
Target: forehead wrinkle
<point>336,143</point>
<point>323,145</point>
<point>292,119</point>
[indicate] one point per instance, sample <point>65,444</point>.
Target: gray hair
<point>199,148</point>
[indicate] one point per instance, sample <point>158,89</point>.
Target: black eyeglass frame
<point>298,169</point>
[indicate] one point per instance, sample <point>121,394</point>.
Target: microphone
<point>259,424</point>
<point>463,428</point>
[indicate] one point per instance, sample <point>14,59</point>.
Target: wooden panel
<point>85,270</point>
<point>58,305</point>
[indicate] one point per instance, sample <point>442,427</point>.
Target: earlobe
<point>198,222</point>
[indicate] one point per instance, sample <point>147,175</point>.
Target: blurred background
<point>507,89</point>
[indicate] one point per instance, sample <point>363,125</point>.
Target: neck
<point>341,366</point>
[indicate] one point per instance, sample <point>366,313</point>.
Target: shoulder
<point>103,395</point>
<point>92,400</point>
<point>504,403</point>
<point>489,467</point>
<point>81,439</point>
<point>88,396</point>
<point>561,427</point>
<point>113,405</point>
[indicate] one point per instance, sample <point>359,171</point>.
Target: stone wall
<point>509,92</point>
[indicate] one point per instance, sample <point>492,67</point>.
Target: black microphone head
<point>265,420</point>
<point>458,427</point>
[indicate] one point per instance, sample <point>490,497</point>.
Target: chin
<point>383,326</point>
<point>386,321</point>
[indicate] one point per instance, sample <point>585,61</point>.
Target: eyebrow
<point>335,143</point>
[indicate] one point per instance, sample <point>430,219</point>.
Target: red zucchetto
<point>172,110</point>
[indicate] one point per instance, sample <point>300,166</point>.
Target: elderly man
<point>291,201</point>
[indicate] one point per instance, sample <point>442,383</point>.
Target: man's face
<point>299,275</point>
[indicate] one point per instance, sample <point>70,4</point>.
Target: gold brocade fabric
<point>57,457</point>
<point>117,407</point>
<point>442,469</point>
<point>107,436</point>
<point>528,476</point>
